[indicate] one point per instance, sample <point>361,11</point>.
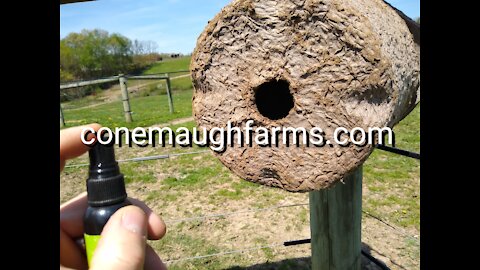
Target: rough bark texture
<point>348,63</point>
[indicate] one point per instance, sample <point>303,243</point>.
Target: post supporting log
<point>335,224</point>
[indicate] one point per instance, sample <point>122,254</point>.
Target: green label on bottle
<point>90,245</point>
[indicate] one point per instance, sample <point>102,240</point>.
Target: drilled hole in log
<point>274,99</point>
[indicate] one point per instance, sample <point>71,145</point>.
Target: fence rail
<point>122,80</point>
<point>86,83</point>
<point>148,77</point>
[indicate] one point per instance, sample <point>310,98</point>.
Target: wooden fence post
<point>335,224</point>
<point>169,93</point>
<point>126,102</point>
<point>62,119</point>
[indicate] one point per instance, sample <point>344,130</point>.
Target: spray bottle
<point>105,192</point>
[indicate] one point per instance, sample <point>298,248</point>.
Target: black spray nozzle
<point>105,183</point>
<point>102,161</point>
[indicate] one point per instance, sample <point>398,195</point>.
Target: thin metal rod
<point>297,242</point>
<point>147,77</point>
<point>170,72</point>
<point>144,158</point>
<point>398,151</point>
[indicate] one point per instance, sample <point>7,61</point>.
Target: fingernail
<point>134,221</point>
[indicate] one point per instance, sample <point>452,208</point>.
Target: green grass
<point>393,181</point>
<point>408,131</point>
<point>158,87</point>
<point>181,244</point>
<point>148,103</point>
<point>182,84</point>
<point>147,111</point>
<point>170,65</point>
<point>192,176</point>
<point>85,101</point>
<point>235,194</point>
<point>132,174</point>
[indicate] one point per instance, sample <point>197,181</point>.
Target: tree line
<point>97,53</point>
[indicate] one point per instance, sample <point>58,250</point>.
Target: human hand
<point>122,244</point>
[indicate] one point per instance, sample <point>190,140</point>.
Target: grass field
<point>146,111</point>
<point>198,184</point>
<point>148,100</point>
<point>169,65</point>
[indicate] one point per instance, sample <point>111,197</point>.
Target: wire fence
<point>165,156</point>
<point>236,213</point>
<point>273,245</point>
<point>379,263</point>
<point>81,101</point>
<point>146,158</point>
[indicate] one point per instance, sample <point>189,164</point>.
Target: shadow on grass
<point>304,263</point>
<point>288,264</point>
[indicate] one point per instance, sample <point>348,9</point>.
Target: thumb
<point>123,241</point>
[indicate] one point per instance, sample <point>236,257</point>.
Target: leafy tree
<point>66,76</point>
<point>96,53</point>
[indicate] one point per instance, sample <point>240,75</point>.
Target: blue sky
<point>173,24</point>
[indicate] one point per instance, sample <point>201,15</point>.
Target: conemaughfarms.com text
<point>218,138</point>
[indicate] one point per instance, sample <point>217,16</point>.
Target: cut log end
<point>307,64</point>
